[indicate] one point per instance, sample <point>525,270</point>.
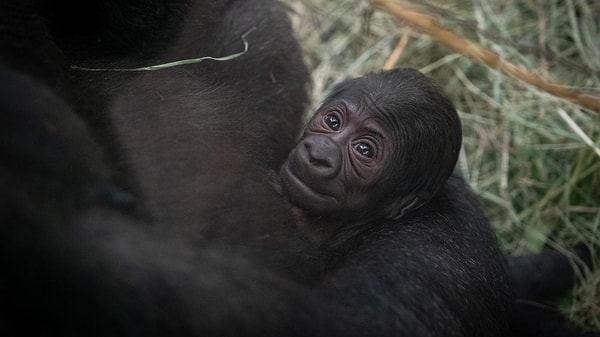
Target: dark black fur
<point>538,280</point>
<point>108,178</point>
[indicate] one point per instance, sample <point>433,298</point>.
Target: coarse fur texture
<point>109,180</point>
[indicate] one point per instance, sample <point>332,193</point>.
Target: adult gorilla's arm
<point>74,263</point>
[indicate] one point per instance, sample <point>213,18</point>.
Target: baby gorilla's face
<point>335,169</point>
<point>380,146</point>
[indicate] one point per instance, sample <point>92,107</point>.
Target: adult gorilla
<point>108,177</point>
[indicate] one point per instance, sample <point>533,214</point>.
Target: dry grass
<point>533,157</point>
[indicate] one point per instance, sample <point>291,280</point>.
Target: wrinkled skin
<point>373,150</point>
<point>339,159</point>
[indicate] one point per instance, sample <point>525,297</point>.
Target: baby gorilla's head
<point>378,146</point>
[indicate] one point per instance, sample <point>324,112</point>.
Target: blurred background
<point>534,158</point>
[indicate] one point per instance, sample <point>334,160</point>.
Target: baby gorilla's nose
<point>324,156</point>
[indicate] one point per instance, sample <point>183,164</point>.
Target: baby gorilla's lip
<point>304,195</point>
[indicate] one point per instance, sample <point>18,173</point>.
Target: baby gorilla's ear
<point>402,206</point>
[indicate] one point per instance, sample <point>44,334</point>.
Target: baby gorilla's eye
<point>365,150</point>
<point>332,122</point>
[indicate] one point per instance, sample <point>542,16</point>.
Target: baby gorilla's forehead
<point>369,95</point>
<point>364,115</point>
<point>371,111</point>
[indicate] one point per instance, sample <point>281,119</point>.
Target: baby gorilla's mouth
<point>302,194</point>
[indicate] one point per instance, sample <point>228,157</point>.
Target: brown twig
<point>397,52</point>
<point>429,25</point>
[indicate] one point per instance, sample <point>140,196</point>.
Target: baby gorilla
<point>378,147</point>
